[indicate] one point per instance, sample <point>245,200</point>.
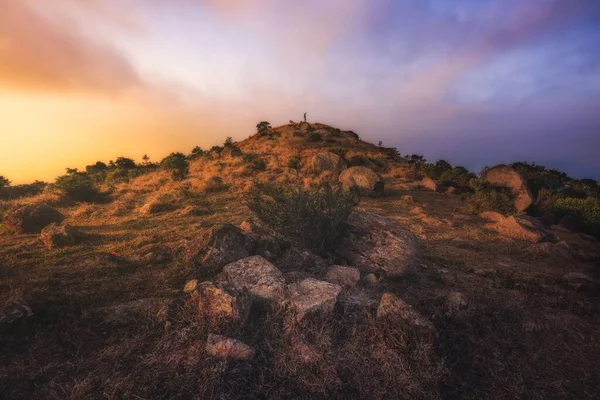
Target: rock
<point>407,199</point>
<point>391,306</point>
<point>225,244</point>
<point>312,295</point>
<point>133,310</point>
<point>262,279</point>
<point>154,255</point>
<point>371,279</point>
<point>32,218</point>
<point>344,276</point>
<point>428,183</point>
<point>326,162</point>
<point>451,190</point>
<point>57,236</point>
<point>13,311</point>
<point>456,301</point>
<point>507,177</point>
<point>362,179</point>
<point>357,301</point>
<point>548,249</point>
<point>220,306</point>
<point>521,227</point>
<point>307,354</point>
<point>373,243</point>
<point>195,211</point>
<point>246,227</point>
<point>226,348</point>
<point>190,286</point>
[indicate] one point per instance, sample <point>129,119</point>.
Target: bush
<point>294,163</point>
<point>314,137</point>
<point>585,210</point>
<point>117,175</point>
<point>177,164</point>
<point>196,153</point>
<point>358,161</point>
<point>4,182</point>
<point>78,186</point>
<point>262,127</point>
<point>487,198</point>
<point>257,163</point>
<point>435,171</point>
<point>125,163</point>
<point>340,151</point>
<point>314,218</point>
<point>458,176</point>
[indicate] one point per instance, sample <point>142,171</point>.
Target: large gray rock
<point>374,243</point>
<point>343,276</point>
<point>507,177</point>
<point>57,236</point>
<point>32,218</point>
<point>520,227</point>
<point>312,296</point>
<point>225,348</point>
<point>327,162</point>
<point>263,281</point>
<point>225,244</point>
<point>362,179</point>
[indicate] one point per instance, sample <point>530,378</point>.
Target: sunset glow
<point>474,82</point>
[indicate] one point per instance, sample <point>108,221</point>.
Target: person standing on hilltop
<point>304,117</point>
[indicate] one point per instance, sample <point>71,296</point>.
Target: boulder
<point>560,250</point>
<point>371,279</point>
<point>312,296</point>
<point>362,179</point>
<point>374,243</point>
<point>225,348</point>
<point>428,183</point>
<point>57,236</point>
<point>225,244</point>
<point>393,307</point>
<point>32,218</point>
<point>13,311</point>
<point>220,306</point>
<point>521,227</point>
<point>344,276</point>
<point>326,162</point>
<point>451,190</point>
<point>507,177</point>
<point>264,282</point>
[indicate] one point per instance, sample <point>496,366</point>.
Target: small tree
<point>177,164</point>
<point>77,186</point>
<point>125,163</point>
<point>228,142</point>
<point>196,153</point>
<point>294,163</point>
<point>263,127</point>
<point>146,159</point>
<point>4,182</point>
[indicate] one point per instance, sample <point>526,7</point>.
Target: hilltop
<point>442,283</point>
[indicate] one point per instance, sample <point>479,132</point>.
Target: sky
<point>475,82</point>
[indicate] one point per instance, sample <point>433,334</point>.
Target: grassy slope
<point>525,335</point>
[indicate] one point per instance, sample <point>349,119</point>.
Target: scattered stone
<point>307,354</point>
<point>517,227</point>
<point>374,243</point>
<point>362,179</point>
<point>190,286</point>
<point>13,311</point>
<point>451,190</point>
<point>428,183</point>
<point>456,301</point>
<point>262,279</point>
<point>507,177</point>
<point>155,255</point>
<point>548,249</point>
<point>344,276</point>
<point>220,306</point>
<point>391,306</point>
<point>225,244</point>
<point>32,218</point>
<point>246,227</point>
<point>357,301</point>
<point>56,236</point>
<point>407,199</point>
<point>133,310</point>
<point>371,279</point>
<point>312,295</point>
<point>326,162</point>
<point>226,348</point>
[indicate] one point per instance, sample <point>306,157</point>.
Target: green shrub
<point>314,218</point>
<point>458,176</point>
<point>262,128</point>
<point>78,186</point>
<point>585,210</point>
<point>487,198</point>
<point>257,163</point>
<point>124,163</point>
<point>117,175</point>
<point>294,163</point>
<point>357,161</point>
<point>340,151</point>
<point>177,164</point>
<point>4,182</point>
<point>435,171</point>
<point>196,153</point>
<point>314,137</point>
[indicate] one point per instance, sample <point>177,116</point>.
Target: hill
<point>438,284</point>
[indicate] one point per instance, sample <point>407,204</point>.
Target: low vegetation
<point>313,218</point>
<point>78,186</point>
<point>177,164</point>
<point>487,198</point>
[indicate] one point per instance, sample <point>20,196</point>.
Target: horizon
<point>473,82</point>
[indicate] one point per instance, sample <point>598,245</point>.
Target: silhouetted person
<point>304,117</point>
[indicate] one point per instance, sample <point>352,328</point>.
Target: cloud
<point>40,53</point>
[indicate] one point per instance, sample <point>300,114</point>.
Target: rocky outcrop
<point>393,307</point>
<point>220,306</point>
<point>312,296</point>
<point>326,162</point>
<point>225,348</point>
<point>429,183</point>
<point>344,276</point>
<point>32,218</point>
<point>520,227</point>
<point>374,243</point>
<point>225,244</point>
<point>263,281</point>
<point>507,177</point>
<point>362,179</point>
<point>57,236</point>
